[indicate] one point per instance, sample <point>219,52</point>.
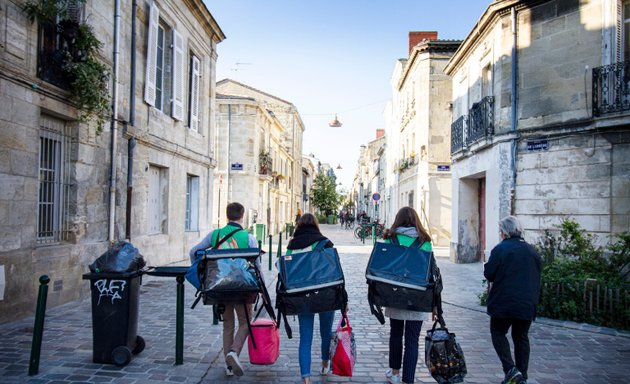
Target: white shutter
<point>194,94</point>
<point>150,76</point>
<point>178,76</point>
<point>619,33</point>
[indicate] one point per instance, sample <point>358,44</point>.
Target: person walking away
<point>232,341</point>
<point>405,324</point>
<point>306,237</point>
<point>513,273</point>
<point>298,215</point>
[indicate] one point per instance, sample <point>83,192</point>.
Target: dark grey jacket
<point>514,271</point>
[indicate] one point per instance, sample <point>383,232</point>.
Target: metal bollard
<point>373,233</point>
<point>270,243</point>
<point>279,245</point>
<point>38,328</point>
<point>215,315</point>
<point>179,323</point>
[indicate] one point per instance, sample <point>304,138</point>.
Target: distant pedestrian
<point>405,325</point>
<point>232,341</point>
<point>306,237</point>
<point>298,215</point>
<point>513,273</point>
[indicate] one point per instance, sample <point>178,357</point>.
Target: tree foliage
<point>324,193</point>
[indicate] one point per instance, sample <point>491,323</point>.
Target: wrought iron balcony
<point>611,88</point>
<point>479,124</point>
<point>457,134</point>
<point>481,121</point>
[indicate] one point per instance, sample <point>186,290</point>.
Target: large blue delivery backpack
<point>402,277</point>
<point>310,281</point>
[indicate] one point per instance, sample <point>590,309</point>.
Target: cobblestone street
<point>562,352</point>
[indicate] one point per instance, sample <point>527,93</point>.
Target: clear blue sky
<point>331,56</point>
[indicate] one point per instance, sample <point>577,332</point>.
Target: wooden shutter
<point>178,76</point>
<point>150,76</point>
<point>195,77</point>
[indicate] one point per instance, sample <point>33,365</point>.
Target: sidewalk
<point>562,352</point>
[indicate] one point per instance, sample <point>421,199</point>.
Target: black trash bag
<point>122,257</point>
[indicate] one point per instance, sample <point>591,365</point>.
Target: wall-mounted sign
<point>376,196</point>
<point>443,168</point>
<point>236,167</point>
<point>539,145</point>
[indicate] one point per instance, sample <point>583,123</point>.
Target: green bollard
<point>280,245</point>
<point>179,323</point>
<point>215,316</point>
<point>260,246</point>
<point>270,243</point>
<point>373,233</point>
<point>38,328</point>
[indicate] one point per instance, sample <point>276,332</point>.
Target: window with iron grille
<point>53,196</point>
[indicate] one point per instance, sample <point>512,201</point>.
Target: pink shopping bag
<point>267,340</point>
<point>343,350</point>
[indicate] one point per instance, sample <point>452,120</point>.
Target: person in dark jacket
<point>513,273</point>
<point>305,238</point>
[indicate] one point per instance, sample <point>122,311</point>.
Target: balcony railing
<point>481,122</point>
<point>478,125</point>
<point>611,88</point>
<point>457,134</point>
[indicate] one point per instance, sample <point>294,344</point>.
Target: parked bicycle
<point>364,230</point>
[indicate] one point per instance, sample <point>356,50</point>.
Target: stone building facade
<point>541,121</point>
<point>418,135</point>
<point>259,144</point>
<point>67,191</point>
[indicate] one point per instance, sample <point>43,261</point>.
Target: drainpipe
<point>114,133</point>
<point>514,107</point>
<point>131,144</point>
<point>227,157</point>
<point>132,80</point>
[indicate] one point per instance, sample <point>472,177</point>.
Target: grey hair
<point>510,226</point>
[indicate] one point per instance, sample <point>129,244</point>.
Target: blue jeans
<point>306,321</point>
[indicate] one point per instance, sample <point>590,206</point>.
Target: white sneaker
<point>231,359</point>
<point>228,371</point>
<point>325,368</point>
<point>391,378</point>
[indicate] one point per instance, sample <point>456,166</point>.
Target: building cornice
<point>201,12</point>
<point>429,46</point>
<point>494,11</point>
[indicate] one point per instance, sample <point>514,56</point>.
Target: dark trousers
<point>520,329</point>
<point>411,331</point>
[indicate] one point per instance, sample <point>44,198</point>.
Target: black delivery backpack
<point>311,281</point>
<point>402,277</point>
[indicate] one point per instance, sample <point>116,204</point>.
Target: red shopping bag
<point>343,350</point>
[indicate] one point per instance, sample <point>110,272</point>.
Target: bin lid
<point>112,275</point>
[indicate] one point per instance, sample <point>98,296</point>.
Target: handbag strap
<point>344,319</point>
<point>440,320</point>
<point>217,245</point>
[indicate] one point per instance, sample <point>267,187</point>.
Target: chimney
<point>380,133</point>
<point>416,38</point>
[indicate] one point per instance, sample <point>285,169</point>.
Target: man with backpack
<point>232,341</point>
